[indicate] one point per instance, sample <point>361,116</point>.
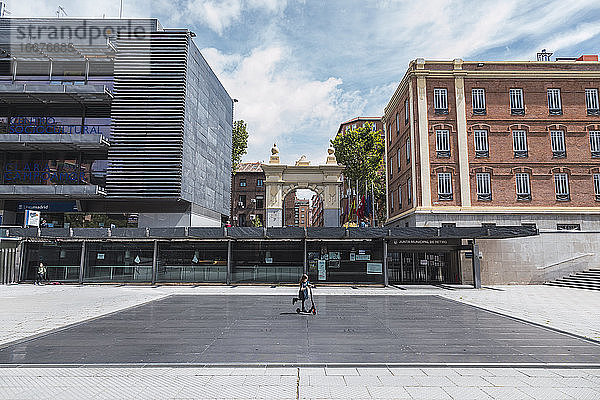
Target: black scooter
<point>313,309</point>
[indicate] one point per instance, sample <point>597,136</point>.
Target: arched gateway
<point>325,180</point>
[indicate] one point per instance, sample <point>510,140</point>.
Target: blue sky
<point>299,68</point>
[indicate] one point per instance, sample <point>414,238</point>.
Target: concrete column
<point>228,278</point>
<point>82,262</point>
<point>424,141</point>
<point>305,265</point>
<point>385,264</point>
<point>476,266</point>
<point>154,262</point>
<point>463,154</point>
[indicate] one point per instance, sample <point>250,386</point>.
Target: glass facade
<point>192,262</point>
<point>119,262</point>
<point>252,261</point>
<point>60,259</point>
<point>267,261</point>
<point>345,262</point>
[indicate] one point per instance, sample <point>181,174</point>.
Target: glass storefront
<point>60,259</point>
<point>423,267</point>
<point>267,261</point>
<point>119,262</point>
<point>192,262</point>
<point>345,262</point>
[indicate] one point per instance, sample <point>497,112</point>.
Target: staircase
<point>589,279</point>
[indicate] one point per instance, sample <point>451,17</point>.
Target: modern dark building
<point>109,122</point>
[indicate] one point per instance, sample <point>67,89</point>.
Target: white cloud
<point>281,104</point>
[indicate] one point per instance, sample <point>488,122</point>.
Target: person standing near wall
<point>41,273</point>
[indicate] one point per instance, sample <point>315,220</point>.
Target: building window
<point>242,220</point>
<point>517,106</point>
<point>478,101</point>
<point>591,101</point>
<point>392,201</point>
<point>520,144</point>
<point>391,166</point>
<point>554,104</point>
<point>397,124</point>
<point>399,153</point>
<point>442,142</point>
<point>484,186</point>
<point>242,183</point>
<point>557,140</point>
<point>389,132</point>
<point>242,201</point>
<point>400,197</point>
<point>561,187</point>
<point>407,151</point>
<point>440,101</point>
<point>444,186</point>
<point>597,186</point>
<point>523,187</point>
<point>260,182</point>
<point>482,148</point>
<point>409,191</point>
<point>406,112</point>
<point>260,201</point>
<point>374,126</point>
<point>595,143</point>
<point>353,127</point>
<point>568,227</point>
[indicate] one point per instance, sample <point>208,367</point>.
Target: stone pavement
<point>299,383</point>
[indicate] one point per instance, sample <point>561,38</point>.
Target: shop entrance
<point>424,264</point>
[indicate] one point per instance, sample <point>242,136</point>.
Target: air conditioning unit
<point>241,204</point>
<point>253,200</point>
<point>252,216</point>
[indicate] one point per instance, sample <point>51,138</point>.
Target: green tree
<point>239,143</point>
<point>361,151</point>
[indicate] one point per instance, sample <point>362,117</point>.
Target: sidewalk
<point>299,383</point>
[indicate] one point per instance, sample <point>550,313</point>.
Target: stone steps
<point>589,279</point>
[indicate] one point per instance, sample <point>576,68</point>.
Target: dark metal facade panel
<point>462,232</point>
<point>236,232</point>
<point>177,232</point>
<point>145,157</point>
<point>367,233</point>
<point>90,232</point>
<point>129,232</point>
<point>292,232</point>
<point>207,233</point>
<point>325,233</point>
<point>416,232</point>
<point>23,232</point>
<point>503,232</point>
<point>55,232</point>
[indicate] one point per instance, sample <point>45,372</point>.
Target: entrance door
<point>408,267</point>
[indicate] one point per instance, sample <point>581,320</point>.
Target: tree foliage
<point>361,151</point>
<point>239,143</point>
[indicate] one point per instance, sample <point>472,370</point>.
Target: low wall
<point>537,259</point>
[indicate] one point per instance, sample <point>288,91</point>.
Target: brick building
<point>352,124</point>
<point>495,142</point>
<point>316,211</point>
<point>248,195</point>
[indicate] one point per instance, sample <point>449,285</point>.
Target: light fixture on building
<point>137,259</point>
<point>195,259</point>
<point>63,253</point>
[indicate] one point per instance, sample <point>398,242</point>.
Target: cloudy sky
<point>300,68</point>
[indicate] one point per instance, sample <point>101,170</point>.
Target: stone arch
<point>281,179</point>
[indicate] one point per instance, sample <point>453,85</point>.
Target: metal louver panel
<point>145,157</point>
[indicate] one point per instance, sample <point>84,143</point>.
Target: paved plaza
<point>242,342</point>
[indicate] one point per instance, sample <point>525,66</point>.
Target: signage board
<point>374,268</point>
<point>322,270</point>
<point>363,257</point>
<point>32,218</point>
<point>48,206</point>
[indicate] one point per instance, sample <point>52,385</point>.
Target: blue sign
<point>48,206</point>
<point>51,125</point>
<point>40,173</point>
